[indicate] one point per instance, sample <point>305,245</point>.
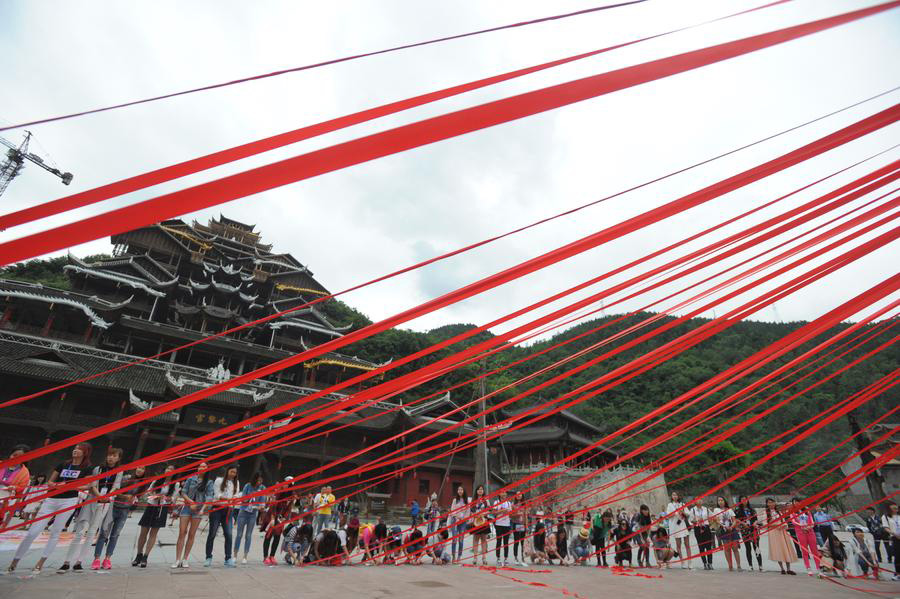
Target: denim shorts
<point>186,511</point>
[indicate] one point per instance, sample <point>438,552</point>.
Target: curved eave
<point>123,280</point>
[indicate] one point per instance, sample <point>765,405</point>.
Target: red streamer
<point>402,138</point>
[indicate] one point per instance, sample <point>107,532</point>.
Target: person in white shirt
<point>861,555</point>
<point>457,519</point>
<point>222,491</point>
<point>891,524</point>
<point>501,509</point>
<point>679,521</point>
<point>700,516</point>
<point>729,535</point>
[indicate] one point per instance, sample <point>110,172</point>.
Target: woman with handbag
<point>481,527</point>
<point>641,527</point>
<point>679,523</point>
<point>700,516</point>
<point>729,537</point>
<point>749,527</point>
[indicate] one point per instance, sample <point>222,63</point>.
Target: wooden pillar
<point>46,330</point>
<point>142,439</point>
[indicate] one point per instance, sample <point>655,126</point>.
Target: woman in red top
<point>278,509</point>
<point>12,484</point>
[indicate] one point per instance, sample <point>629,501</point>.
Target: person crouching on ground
<point>414,546</point>
<point>622,532</point>
<point>662,548</point>
<point>581,545</point>
<point>539,543</point>
<point>438,552</point>
<point>558,546</point>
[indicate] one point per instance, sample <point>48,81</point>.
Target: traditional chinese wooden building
<point>168,285</point>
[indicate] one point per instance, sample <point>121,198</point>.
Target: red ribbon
<point>401,139</point>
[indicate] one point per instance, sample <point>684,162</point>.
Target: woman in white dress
<point>679,523</point>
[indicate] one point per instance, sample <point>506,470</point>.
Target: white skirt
<point>677,531</point>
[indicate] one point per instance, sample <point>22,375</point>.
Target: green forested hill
<point>633,398</point>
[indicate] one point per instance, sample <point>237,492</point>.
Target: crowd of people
<point>301,529</point>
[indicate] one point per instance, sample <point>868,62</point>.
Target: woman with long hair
<point>115,519</point>
<point>279,508</point>
<point>155,515</point>
<point>481,528</point>
<point>247,512</point>
<point>748,522</point>
<point>781,546</point>
<point>557,545</point>
<point>458,522</point>
<point>622,532</point>
<point>518,520</point>
<point>193,494</point>
<point>806,537</point>
<point>92,515</point>
<point>539,542</point>
<point>502,526</point>
<point>224,489</point>
<point>678,524</point>
<point>700,519</point>
<point>641,527</point>
<point>68,472</point>
<point>729,537</point>
<point>13,482</point>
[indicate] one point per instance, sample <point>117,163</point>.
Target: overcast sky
<point>361,222</point>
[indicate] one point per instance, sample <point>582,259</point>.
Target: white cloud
<point>361,222</point>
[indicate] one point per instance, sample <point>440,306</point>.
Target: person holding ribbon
<point>66,473</point>
<point>13,481</point>
<point>679,523</point>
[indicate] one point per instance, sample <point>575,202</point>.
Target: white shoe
<point>175,564</point>
<point>244,561</point>
<point>185,563</point>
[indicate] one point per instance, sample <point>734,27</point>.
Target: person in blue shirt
<point>247,512</point>
<point>414,513</point>
<point>823,520</point>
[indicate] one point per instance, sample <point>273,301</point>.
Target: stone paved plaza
<point>255,580</point>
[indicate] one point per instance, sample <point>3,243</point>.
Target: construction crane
<point>15,162</point>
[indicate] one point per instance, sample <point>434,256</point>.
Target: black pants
<point>271,542</point>
<point>793,534</point>
<point>751,546</point>
<point>600,552</point>
<point>704,538</point>
<point>518,542</point>
<point>895,547</point>
<point>889,552</point>
<point>623,555</point>
<point>502,541</point>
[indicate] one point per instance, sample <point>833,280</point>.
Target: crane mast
<point>16,156</point>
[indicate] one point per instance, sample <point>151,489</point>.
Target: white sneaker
<point>244,561</point>
<point>176,564</point>
<point>185,563</point>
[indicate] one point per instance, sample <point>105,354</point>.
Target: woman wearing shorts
<point>481,528</point>
<point>193,495</point>
<point>729,536</point>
